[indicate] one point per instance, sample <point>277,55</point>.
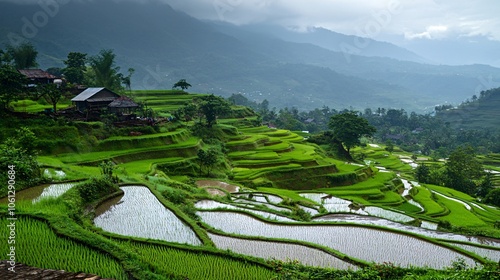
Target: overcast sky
<point>431,19</point>
<point>379,19</point>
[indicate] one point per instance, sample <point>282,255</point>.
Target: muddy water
<point>106,205</point>
<point>223,185</point>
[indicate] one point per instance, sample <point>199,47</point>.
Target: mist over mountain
<point>305,70</point>
<point>337,42</point>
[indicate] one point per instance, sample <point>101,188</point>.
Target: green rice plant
<point>459,215</point>
<point>182,149</point>
<point>37,245</point>
<point>450,192</point>
<point>197,265</point>
<point>425,198</point>
<point>285,193</point>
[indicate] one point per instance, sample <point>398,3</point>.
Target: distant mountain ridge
<point>346,44</point>
<point>165,45</point>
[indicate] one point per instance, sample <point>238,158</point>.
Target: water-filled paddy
<point>54,190</point>
<point>223,185</point>
<point>493,255</point>
<point>278,250</point>
<point>363,243</point>
<point>139,213</point>
<point>427,230</point>
<point>254,202</point>
<point>211,205</point>
<point>338,205</point>
<point>40,192</point>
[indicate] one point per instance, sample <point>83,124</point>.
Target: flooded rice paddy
<point>211,205</point>
<point>367,244</point>
<point>54,190</point>
<point>427,230</point>
<point>219,184</point>
<point>139,214</point>
<point>338,205</point>
<point>490,254</point>
<point>281,251</point>
<point>38,193</point>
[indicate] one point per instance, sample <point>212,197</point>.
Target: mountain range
<point>288,68</point>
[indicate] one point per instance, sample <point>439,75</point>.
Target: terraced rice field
<point>353,241</point>
<point>37,245</point>
<point>490,254</point>
<point>54,190</point>
<point>212,205</point>
<point>140,214</point>
<point>281,251</point>
<point>197,265</point>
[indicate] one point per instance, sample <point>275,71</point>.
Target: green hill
<point>480,113</point>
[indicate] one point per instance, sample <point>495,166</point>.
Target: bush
<point>493,197</point>
<point>95,188</point>
<point>176,196</point>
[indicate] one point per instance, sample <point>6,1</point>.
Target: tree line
<point>80,69</point>
<point>417,133</point>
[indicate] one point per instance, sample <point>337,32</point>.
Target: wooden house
<point>93,99</point>
<point>37,77</point>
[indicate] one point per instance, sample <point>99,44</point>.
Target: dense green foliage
<point>182,83</point>
<point>103,71</point>
<point>23,56</point>
<point>348,128</point>
<point>17,153</point>
<point>95,188</point>
<point>75,68</point>
<point>12,85</point>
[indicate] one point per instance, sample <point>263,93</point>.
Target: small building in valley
<point>124,108</point>
<point>93,99</point>
<point>37,76</point>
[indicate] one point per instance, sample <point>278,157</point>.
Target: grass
<point>31,106</point>
<point>132,154</point>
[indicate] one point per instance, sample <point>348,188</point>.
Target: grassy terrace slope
<point>279,176</point>
<point>260,155</point>
<point>163,101</point>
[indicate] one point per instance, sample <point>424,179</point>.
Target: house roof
<point>36,74</point>
<point>123,102</point>
<point>88,93</point>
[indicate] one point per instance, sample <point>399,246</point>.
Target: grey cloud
<point>414,19</point>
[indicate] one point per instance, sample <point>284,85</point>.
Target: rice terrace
<point>236,200</point>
